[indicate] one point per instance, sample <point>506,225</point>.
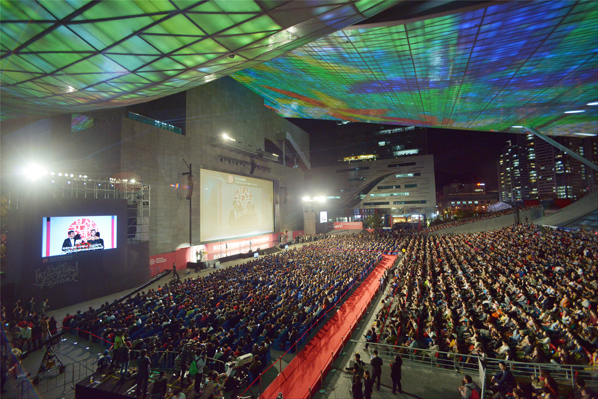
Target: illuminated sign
<point>360,158</point>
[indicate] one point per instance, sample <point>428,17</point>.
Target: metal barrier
<point>52,380</point>
<point>462,363</point>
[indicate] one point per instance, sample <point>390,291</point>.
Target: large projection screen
<point>234,206</point>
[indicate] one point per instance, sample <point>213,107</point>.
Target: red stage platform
<point>315,359</point>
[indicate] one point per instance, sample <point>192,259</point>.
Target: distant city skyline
<point>459,155</point>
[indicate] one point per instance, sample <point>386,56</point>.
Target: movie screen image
<point>234,206</point>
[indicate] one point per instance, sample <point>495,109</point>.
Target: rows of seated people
<point>524,293</point>
<point>267,302</point>
<point>484,216</point>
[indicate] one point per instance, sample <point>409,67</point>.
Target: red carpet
<point>304,371</point>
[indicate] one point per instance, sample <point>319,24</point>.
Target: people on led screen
<point>69,242</point>
<point>76,243</point>
<point>97,243</point>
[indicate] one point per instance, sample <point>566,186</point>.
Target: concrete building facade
<point>396,186</point>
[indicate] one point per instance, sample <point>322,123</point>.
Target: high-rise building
<point>533,169</point>
<point>354,141</point>
<point>509,174</point>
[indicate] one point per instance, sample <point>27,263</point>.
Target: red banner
<point>159,263</point>
<point>348,225</point>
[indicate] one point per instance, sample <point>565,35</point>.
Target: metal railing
<point>53,380</point>
<point>462,363</point>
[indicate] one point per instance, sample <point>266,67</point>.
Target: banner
<point>348,225</point>
<point>159,263</point>
<point>222,249</point>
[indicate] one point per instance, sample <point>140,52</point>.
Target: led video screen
<point>234,206</point>
<point>64,235</point>
<point>323,216</point>
<point>491,68</point>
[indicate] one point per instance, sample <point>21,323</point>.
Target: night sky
<point>459,155</point>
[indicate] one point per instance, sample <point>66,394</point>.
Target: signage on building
<point>348,225</point>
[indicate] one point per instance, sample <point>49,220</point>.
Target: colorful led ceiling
<point>75,55</point>
<point>517,63</point>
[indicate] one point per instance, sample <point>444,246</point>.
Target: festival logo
<point>56,274</point>
<point>83,227</point>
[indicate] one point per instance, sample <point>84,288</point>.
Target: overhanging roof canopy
<point>490,68</point>
<point>77,55</point>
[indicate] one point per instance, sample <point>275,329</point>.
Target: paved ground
<point>81,356</point>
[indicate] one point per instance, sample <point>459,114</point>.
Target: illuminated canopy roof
<point>76,55</point>
<point>489,68</point>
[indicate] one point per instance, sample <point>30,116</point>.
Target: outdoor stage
<point>305,371</point>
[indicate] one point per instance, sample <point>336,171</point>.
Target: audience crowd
<point>484,216</point>
<point>232,312</point>
<point>524,293</point>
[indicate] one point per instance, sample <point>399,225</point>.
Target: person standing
<point>45,306</point>
<point>368,385</point>
<point>468,387</point>
<point>376,363</point>
<point>211,386</point>
<point>395,373</point>
<point>124,359</point>
<point>356,388</point>
<point>25,338</point>
<point>200,363</point>
<point>143,372</point>
<point>31,305</point>
<point>160,386</point>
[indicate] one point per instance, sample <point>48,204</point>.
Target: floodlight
<point>306,199</point>
<point>593,103</point>
<point>577,111</point>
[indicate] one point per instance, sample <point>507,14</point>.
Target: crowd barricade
<point>565,375</point>
<point>53,380</point>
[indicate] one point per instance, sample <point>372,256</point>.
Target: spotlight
<point>231,56</point>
